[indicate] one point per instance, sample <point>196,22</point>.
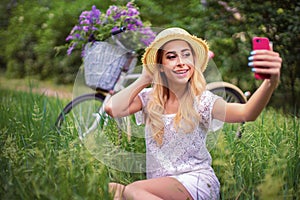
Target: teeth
<point>181,72</point>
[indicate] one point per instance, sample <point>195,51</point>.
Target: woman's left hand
<point>266,62</point>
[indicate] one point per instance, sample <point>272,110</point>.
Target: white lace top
<point>180,152</point>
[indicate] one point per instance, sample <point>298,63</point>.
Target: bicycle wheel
<point>104,137</point>
<point>229,92</point>
<point>82,115</point>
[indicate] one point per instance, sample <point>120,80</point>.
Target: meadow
<point>39,163</point>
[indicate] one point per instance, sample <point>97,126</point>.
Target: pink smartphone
<point>261,43</point>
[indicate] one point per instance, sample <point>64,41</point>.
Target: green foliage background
<point>31,31</point>
<point>37,163</point>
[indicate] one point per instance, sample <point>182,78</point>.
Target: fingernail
<point>253,70</point>
<point>252,52</point>
<point>250,58</point>
<point>250,64</point>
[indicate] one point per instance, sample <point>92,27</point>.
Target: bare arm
<point>126,101</point>
<point>234,112</point>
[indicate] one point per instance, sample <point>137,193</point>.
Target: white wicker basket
<point>103,64</point>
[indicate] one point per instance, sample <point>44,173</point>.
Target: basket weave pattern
<point>103,64</point>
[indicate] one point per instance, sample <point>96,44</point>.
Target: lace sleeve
<point>141,115</point>
<point>204,108</point>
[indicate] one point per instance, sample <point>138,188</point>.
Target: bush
<point>35,29</point>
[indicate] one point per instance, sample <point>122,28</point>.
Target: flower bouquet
<point>103,58</point>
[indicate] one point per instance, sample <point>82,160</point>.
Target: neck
<point>177,92</point>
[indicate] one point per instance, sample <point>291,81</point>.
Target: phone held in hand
<point>257,44</point>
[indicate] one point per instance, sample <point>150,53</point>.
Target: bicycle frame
<point>120,84</point>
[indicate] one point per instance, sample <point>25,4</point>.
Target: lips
<point>184,71</point>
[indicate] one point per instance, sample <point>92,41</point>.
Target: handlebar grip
<point>120,30</point>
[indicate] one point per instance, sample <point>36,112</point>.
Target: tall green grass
<point>39,163</point>
<point>265,163</point>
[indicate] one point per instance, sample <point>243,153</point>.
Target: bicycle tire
<point>228,91</point>
<point>78,114</point>
<point>231,94</point>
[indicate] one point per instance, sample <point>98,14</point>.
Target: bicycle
<point>88,111</point>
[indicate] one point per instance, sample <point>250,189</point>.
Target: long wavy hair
<point>186,118</point>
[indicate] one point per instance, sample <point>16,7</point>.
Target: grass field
<point>38,163</point>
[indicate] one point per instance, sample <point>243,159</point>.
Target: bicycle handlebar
<point>120,30</point>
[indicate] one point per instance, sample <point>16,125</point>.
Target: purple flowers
<point>94,25</point>
<point>149,35</point>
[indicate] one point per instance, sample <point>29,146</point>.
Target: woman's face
<point>177,61</point>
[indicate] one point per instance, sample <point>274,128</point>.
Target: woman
<point>179,112</point>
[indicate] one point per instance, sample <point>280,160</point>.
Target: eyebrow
<point>174,52</point>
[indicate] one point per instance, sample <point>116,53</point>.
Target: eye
<point>171,57</point>
<point>186,54</point>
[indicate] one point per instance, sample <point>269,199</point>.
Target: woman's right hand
<point>146,76</point>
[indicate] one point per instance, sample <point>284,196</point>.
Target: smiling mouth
<point>181,71</point>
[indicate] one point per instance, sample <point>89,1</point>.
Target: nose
<point>180,61</point>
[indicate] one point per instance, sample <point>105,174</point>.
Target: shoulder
<point>204,106</point>
<point>206,101</point>
<point>207,96</point>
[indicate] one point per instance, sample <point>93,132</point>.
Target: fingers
<point>271,71</point>
<point>265,55</point>
<point>265,62</point>
<point>117,190</point>
<point>146,75</point>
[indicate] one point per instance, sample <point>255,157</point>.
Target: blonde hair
<point>186,118</point>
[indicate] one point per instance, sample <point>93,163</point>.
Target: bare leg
<point>158,188</point>
<point>117,190</point>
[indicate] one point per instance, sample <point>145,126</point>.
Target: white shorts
<point>201,184</point>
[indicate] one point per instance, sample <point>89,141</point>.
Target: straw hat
<point>199,46</point>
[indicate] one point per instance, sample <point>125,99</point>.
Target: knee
<point>133,190</point>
